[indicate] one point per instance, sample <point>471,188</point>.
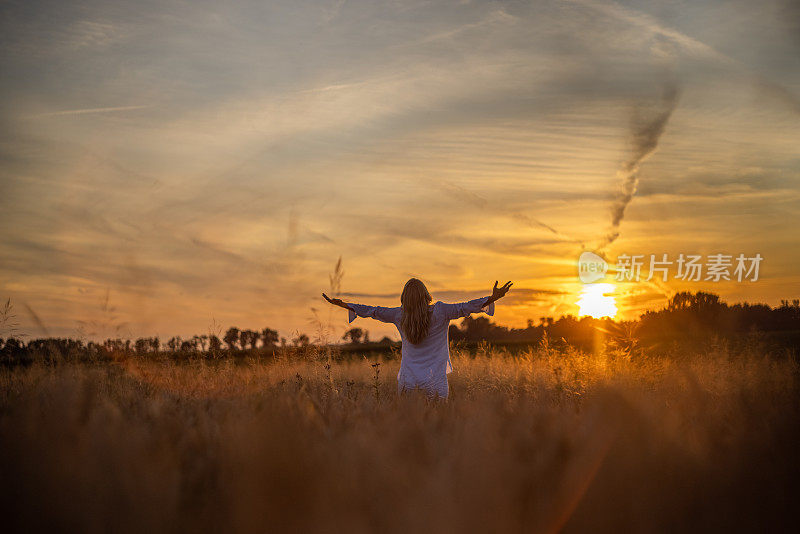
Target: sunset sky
<point>199,160</point>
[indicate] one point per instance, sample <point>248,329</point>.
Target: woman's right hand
<point>500,292</point>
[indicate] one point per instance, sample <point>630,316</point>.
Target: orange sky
<point>214,160</point>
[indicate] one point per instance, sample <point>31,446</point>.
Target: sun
<point>596,301</point>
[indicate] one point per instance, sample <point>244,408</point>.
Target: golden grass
<point>541,442</point>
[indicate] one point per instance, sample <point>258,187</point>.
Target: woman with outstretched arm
<point>423,330</point>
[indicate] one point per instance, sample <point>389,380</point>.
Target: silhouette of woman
<point>423,326</point>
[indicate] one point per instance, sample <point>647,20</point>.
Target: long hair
<point>416,318</point>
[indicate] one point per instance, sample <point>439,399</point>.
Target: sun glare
<point>596,301</point>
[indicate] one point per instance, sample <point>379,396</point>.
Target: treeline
<point>265,343</point>
<point>689,319</point>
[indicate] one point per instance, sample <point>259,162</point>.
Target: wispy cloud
<point>693,47</point>
<point>86,111</point>
<point>651,24</point>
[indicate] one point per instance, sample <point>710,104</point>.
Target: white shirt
<point>426,364</point>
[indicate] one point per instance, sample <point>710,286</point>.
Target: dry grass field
<point>543,441</point>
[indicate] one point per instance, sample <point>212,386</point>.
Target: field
<point>542,441</point>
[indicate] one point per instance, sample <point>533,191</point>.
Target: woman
<point>423,329</point>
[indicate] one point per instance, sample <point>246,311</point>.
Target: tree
<point>269,337</point>
<point>354,335</point>
<point>232,338</point>
<point>174,344</point>
<point>244,338</point>
<point>141,346</point>
<point>478,328</point>
<point>13,345</point>
<point>301,340</point>
<point>454,333</point>
<point>249,337</point>
<point>700,300</point>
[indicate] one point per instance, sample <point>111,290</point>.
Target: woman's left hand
<point>335,302</point>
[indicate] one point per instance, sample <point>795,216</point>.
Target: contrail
<point>85,111</point>
<point>478,201</point>
<point>646,22</point>
<point>646,132</point>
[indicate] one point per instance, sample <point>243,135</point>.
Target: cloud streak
<point>692,46</point>
<point>650,24</point>
<point>86,111</point>
<point>517,296</point>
